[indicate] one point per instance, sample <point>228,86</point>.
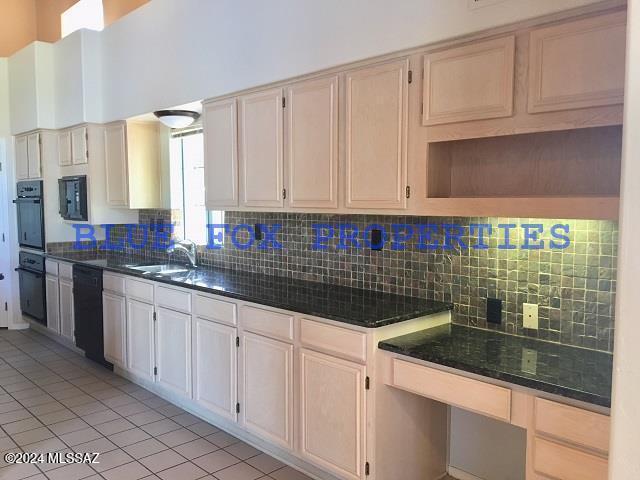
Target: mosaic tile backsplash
<point>574,287</point>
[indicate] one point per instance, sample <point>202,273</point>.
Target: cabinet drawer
<point>51,267</point>
<point>173,299</point>
<point>65,270</point>
<point>139,289</point>
<point>113,283</point>
<point>210,308</point>
<point>266,322</point>
<point>558,461</point>
<point>480,397</point>
<point>575,425</point>
<point>332,339</point>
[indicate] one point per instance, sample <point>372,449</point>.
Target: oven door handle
<point>27,200</point>
<point>20,269</point>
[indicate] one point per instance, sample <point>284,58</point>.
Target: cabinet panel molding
<point>577,64</point>
<point>470,82</point>
<point>376,136</point>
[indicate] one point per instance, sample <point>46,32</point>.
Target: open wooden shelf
<point>558,174</point>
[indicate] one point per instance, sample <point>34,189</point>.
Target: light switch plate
<point>530,315</point>
<point>529,361</point>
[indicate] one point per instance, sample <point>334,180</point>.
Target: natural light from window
<point>84,14</point>
<point>187,187</point>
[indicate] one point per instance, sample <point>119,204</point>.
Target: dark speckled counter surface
<point>571,372</point>
<point>353,306</point>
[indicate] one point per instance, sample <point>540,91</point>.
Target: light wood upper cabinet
<point>376,136</point>
<point>261,148</point>
<point>132,164</point>
<point>34,154</point>
<point>220,154</point>
<point>22,158</point>
<point>140,339</point>
<point>266,378</point>
<point>173,351</point>
<point>115,146</point>
<point>470,82</point>
<point>332,413</point>
<point>577,64</point>
<point>215,367</point>
<point>64,148</point>
<point>312,143</point>
<point>79,150</point>
<point>114,328</point>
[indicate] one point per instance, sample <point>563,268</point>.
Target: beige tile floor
<point>54,400</point>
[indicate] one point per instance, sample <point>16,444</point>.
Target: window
<point>84,14</point>
<point>187,186</point>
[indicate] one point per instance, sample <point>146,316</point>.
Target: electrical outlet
<point>530,315</point>
<point>529,361</point>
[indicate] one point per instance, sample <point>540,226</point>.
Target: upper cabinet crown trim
<point>577,64</point>
<point>470,82</point>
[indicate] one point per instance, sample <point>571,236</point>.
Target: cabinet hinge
<point>155,371</point>
<point>6,307</point>
<point>408,192</point>
<point>367,383</point>
<point>237,408</point>
<point>237,341</point>
<point>410,76</point>
<point>284,102</point>
<point>0,166</point>
<point>155,317</point>
<point>422,109</point>
<point>3,237</point>
<point>366,468</point>
<point>284,193</point>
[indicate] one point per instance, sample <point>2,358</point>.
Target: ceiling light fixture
<point>177,118</point>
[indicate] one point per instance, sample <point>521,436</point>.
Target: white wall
<point>8,249</point>
<point>624,458</point>
<point>167,53</point>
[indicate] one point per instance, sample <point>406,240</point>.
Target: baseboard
<point>461,474</point>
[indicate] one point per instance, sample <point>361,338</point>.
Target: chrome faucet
<point>188,247</point>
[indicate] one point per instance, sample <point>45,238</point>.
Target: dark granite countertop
<point>571,372</point>
<point>354,306</point>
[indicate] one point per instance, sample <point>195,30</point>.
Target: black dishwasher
<point>87,305</point>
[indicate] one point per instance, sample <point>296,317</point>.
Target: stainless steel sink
<point>164,269</point>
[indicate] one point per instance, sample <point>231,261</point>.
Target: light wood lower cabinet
<point>557,461</point>
<point>173,351</point>
<point>67,323</point>
<point>215,367</point>
<point>114,317</point>
<point>140,342</point>
<point>53,304</point>
<point>266,388</point>
<point>332,413</point>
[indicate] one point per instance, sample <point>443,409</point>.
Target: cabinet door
<point>64,148</point>
<point>115,157</point>
<point>114,328</point>
<point>173,351</point>
<point>67,325</point>
<point>376,136</point>
<point>140,346</point>
<point>266,403</point>
<point>220,154</point>
<point>577,64</point>
<point>312,143</point>
<point>261,155</point>
<point>214,367</point>
<point>471,82</point>
<point>332,413</point>
<point>33,149</point>
<point>53,304</point>
<point>79,153</point>
<point>22,158</point>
